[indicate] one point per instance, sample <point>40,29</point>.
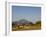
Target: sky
<point>31,13</point>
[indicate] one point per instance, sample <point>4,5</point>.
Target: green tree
<point>38,23</point>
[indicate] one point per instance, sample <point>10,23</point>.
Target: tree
<point>38,23</point>
<point>30,23</point>
<point>13,24</point>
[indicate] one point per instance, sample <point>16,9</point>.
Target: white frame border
<point>9,14</point>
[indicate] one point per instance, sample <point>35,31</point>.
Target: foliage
<point>26,25</point>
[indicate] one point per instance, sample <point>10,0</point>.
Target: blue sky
<point>24,12</point>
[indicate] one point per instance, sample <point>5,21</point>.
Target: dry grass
<point>34,27</point>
